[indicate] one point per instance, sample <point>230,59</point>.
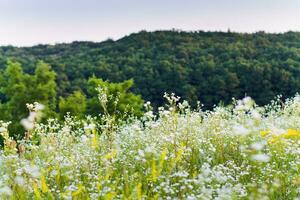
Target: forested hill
<point>209,66</point>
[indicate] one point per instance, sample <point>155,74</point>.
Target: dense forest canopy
<point>206,66</point>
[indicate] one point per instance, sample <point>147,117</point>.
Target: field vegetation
<point>240,151</point>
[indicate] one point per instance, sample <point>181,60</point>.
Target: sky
<point>31,22</point>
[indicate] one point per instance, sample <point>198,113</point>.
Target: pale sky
<point>30,22</point>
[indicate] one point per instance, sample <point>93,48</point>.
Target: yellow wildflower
<point>274,139</point>
<point>111,155</point>
<point>289,134</point>
<point>36,191</point>
<point>292,134</point>
<point>154,171</point>
<point>94,141</point>
<point>45,188</point>
<point>139,191</point>
<point>265,133</point>
<point>79,191</point>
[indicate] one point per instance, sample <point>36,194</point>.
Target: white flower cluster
<point>34,114</point>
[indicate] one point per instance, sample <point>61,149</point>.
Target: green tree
<point>75,104</point>
<point>18,88</point>
<point>113,98</point>
<point>44,88</point>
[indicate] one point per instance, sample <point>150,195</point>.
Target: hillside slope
<point>205,66</point>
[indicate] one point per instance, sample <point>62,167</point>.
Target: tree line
<point>212,67</point>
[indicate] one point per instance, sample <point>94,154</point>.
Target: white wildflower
<point>32,116</point>
<point>258,145</point>
<point>247,100</point>
<point>33,171</point>
<point>141,153</point>
<point>240,130</point>
<point>30,106</point>
<point>27,124</point>
<point>20,180</point>
<point>84,138</point>
<point>38,106</point>
<point>89,127</point>
<point>2,129</point>
<point>5,191</point>
<point>255,115</point>
<point>260,158</point>
<point>66,130</point>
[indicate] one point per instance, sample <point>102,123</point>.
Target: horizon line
<point>148,31</point>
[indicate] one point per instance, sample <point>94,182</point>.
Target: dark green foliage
<point>209,66</point>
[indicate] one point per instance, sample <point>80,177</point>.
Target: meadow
<point>241,151</point>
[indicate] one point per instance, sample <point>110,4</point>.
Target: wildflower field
<point>240,151</point>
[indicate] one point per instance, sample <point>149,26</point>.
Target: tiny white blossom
<point>5,191</point>
<point>20,180</point>
<point>258,145</point>
<point>33,171</point>
<point>247,100</point>
<point>240,130</point>
<point>88,127</point>
<point>84,138</point>
<point>2,129</point>
<point>255,115</point>
<point>261,157</point>
<point>32,116</point>
<point>38,106</point>
<point>27,124</point>
<point>141,153</point>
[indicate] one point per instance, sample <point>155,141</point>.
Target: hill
<point>205,66</point>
